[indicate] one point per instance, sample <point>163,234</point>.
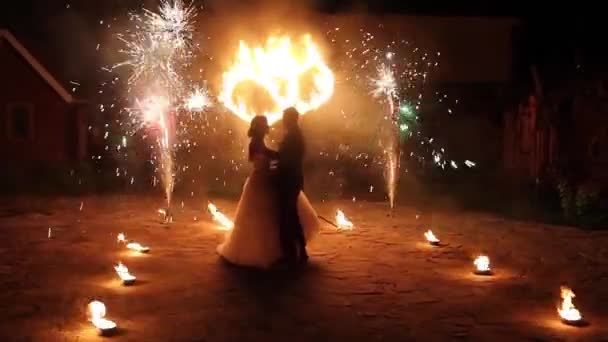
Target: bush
<point>582,204</point>
<point>566,196</point>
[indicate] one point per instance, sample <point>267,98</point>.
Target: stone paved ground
<point>378,282</point>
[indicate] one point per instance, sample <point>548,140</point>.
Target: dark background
<point>552,34</point>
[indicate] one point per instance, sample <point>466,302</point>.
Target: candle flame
<point>224,222</point>
<point>279,68</point>
<point>567,310</point>
<point>97,312</point>
<point>342,222</point>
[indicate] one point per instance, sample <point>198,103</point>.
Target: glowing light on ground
<point>342,222</point>
<point>278,68</point>
<point>482,265</point>
<point>431,238</point>
<point>96,313</point>
<point>134,246</point>
<point>124,275</point>
<point>567,311</point>
<point>224,222</point>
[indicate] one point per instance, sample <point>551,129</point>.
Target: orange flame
<point>278,68</point>
<point>224,222</point>
<point>123,273</point>
<point>342,222</point>
<point>431,238</point>
<point>97,312</point>
<point>567,310</point>
<point>482,263</point>
<point>135,246</point>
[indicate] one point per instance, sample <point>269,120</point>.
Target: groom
<point>289,182</point>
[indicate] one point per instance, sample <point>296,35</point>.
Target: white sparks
<point>198,100</point>
<point>152,108</point>
<point>162,44</point>
<point>384,84</point>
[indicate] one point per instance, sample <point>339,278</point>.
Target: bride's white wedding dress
<point>254,240</point>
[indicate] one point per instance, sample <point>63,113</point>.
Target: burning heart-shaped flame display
<point>288,75</point>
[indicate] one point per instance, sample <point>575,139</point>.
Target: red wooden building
<point>559,133</point>
<point>40,121</point>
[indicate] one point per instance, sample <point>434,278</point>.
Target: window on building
<point>20,122</point>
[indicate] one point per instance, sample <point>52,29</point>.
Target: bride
<point>254,241</point>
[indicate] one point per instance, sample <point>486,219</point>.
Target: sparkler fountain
<point>394,72</point>
<point>155,113</point>
<point>159,49</point>
<point>384,85</point>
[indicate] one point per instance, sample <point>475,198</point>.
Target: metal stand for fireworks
<point>391,212</point>
<point>167,216</point>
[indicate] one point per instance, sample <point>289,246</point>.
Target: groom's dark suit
<point>290,181</point>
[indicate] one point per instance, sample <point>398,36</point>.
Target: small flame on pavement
<point>135,246</point>
<point>482,265</point>
<point>123,272</point>
<point>431,238</point>
<point>567,311</point>
<point>342,222</point>
<point>97,312</point>
<point>224,222</point>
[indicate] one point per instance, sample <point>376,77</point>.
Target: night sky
<point>554,36</point>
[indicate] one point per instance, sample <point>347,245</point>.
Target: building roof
<point>42,71</point>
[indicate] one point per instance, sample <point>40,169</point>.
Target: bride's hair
<point>258,127</point>
<point>257,131</point>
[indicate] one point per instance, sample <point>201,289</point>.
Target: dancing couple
<point>273,219</point>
